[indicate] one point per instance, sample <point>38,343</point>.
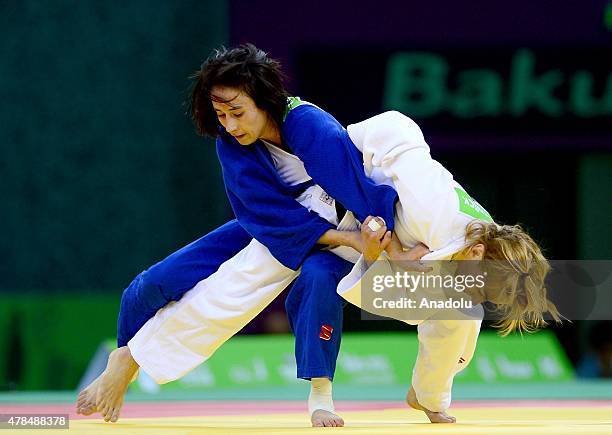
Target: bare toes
<point>105,412</point>
<point>116,413</point>
<point>442,418</point>
<point>321,418</point>
<point>81,399</point>
<point>88,408</point>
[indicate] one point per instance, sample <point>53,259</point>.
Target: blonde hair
<point>515,266</point>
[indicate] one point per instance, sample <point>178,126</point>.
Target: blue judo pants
<point>315,314</point>
<point>313,306</point>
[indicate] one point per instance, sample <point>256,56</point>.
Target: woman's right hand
<point>410,259</point>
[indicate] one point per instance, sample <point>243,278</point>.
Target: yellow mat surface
<point>488,420</point>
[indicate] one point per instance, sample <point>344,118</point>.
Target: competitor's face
<point>474,267</point>
<point>239,115</point>
<point>469,265</point>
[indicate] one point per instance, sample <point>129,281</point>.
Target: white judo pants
<point>186,333</point>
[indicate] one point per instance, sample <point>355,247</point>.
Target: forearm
<point>340,238</point>
<point>395,247</point>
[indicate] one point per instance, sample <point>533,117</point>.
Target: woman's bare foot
<point>113,383</point>
<point>86,401</point>
<point>322,418</point>
<point>434,417</point>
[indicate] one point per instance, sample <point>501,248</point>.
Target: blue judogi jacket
<point>265,205</point>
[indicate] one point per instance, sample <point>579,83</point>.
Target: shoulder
<point>306,118</point>
<point>299,109</point>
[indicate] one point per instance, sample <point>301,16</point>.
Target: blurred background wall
<point>102,172</point>
<point>103,175</point>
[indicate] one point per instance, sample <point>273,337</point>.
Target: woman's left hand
<point>374,242</point>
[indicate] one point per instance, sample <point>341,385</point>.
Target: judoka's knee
<point>322,292</point>
<point>146,289</point>
<point>131,292</point>
<point>155,275</point>
<point>318,281</point>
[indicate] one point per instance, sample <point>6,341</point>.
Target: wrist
<point>369,259</point>
<point>353,240</point>
<point>394,249</point>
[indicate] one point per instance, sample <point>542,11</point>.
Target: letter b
<point>416,84</point>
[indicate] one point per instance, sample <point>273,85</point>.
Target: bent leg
<point>186,333</point>
<point>151,290</point>
<point>172,277</point>
<point>314,309</point>
<point>445,348</point>
<point>315,314</point>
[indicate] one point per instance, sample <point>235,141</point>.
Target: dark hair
<point>244,67</point>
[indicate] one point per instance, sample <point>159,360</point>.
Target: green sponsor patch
<point>470,206</point>
<point>292,103</point>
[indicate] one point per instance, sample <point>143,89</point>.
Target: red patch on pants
<point>326,332</point>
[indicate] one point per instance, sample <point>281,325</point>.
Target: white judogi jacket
<point>433,209</point>
<point>186,333</point>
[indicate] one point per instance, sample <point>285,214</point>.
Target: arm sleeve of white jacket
<point>384,136</point>
<point>350,287</point>
<point>445,348</point>
<point>393,146</point>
